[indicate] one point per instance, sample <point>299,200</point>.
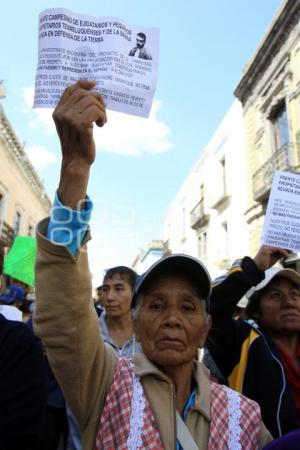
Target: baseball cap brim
<point>271,273</point>
<point>188,265</point>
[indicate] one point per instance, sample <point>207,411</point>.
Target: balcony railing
<point>262,178</point>
<point>7,234</point>
<point>198,215</point>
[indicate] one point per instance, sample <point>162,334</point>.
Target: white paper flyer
<point>122,59</point>
<point>282,221</point>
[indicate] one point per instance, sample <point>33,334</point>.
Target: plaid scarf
<point>127,421</point>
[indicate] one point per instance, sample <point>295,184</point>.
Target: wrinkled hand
<point>267,256</point>
<point>74,116</point>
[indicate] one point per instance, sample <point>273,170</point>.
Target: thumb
<point>86,84</point>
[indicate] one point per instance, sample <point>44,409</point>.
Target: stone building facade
<point>23,199</point>
<point>269,91</point>
<point>206,217</point>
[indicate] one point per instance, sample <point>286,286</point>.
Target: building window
<point>183,223</point>
<point>279,120</point>
<point>1,205</point>
<point>223,176</point>
<point>30,230</point>
<point>3,201</point>
<point>202,245</point>
<point>201,202</point>
<point>225,238</point>
<point>201,192</point>
<point>17,223</point>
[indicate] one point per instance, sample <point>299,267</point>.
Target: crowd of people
<point>123,371</point>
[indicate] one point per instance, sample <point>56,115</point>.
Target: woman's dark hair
<point>253,305</point>
<point>125,272</point>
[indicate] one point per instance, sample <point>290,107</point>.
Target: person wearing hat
<point>161,398</point>
<point>13,295</point>
<point>259,354</point>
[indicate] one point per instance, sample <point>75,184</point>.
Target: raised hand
<point>267,256</point>
<point>77,111</point>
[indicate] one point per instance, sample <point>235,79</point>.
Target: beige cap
<point>290,274</point>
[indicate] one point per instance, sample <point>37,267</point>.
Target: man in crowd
<point>99,291</point>
<point>98,301</point>
<point>260,356</point>
<point>139,50</point>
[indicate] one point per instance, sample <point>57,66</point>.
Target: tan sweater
<point>66,321</point>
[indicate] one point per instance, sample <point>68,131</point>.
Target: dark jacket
<point>245,354</point>
<point>290,441</point>
<point>23,388</point>
<point>55,395</point>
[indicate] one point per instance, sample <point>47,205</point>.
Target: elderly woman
<point>162,399</point>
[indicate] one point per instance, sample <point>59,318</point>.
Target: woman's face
<point>171,323</point>
<point>279,308</point>
<point>116,296</point>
